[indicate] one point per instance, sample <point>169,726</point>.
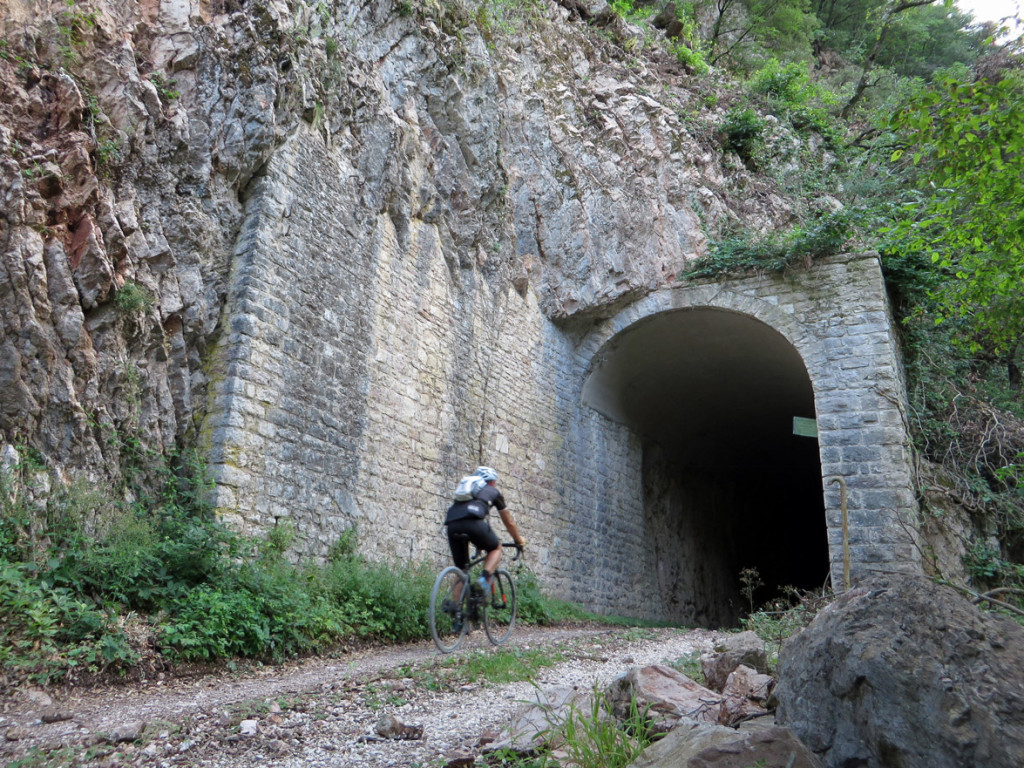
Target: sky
<point>989,10</point>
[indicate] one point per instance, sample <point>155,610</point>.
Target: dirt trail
<point>316,711</point>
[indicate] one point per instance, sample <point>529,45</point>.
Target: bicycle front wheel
<point>448,603</point>
<point>500,608</point>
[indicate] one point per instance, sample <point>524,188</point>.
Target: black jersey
<point>478,506</point>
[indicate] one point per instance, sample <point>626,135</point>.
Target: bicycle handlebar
<point>519,550</point>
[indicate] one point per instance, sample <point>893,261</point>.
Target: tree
<point>783,26</point>
<point>966,141</point>
<point>890,12</point>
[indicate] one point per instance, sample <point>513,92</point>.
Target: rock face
<point>906,674</point>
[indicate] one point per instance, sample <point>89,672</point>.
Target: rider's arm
<point>511,527</point>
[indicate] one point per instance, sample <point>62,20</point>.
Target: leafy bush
<point>205,592</point>
<point>690,58</point>
<point>376,599</point>
<point>741,133</point>
<point>791,93</point>
<point>775,252</point>
<point>48,631</point>
<point>537,608</point>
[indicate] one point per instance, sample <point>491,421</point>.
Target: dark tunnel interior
<point>727,484</point>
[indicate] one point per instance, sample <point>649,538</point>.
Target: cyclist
<point>468,519</point>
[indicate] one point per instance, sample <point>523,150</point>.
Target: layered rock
<point>135,133</point>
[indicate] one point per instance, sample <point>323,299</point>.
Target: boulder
<point>686,740</point>
<point>668,696</point>
<point>906,673</point>
<point>747,683</point>
<point>536,722</point>
<point>390,727</point>
<point>744,695</point>
<point>745,648</point>
<point>700,745</point>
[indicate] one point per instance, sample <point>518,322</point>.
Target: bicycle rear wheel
<point>500,608</point>
<point>449,620</point>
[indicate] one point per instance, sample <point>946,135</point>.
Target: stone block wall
<point>355,384</point>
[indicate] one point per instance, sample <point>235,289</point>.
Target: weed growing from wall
<point>741,133</point>
<point>166,88</point>
<point>133,299</point>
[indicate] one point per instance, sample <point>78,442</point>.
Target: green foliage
<point>624,8</point>
<point>210,623</point>
<point>506,665</point>
<point>742,30</point>
<point>108,153</point>
<point>166,88</point>
<point>596,738</point>
<point>70,565</point>
<point>775,252</point>
<point>930,38</point>
<point>73,28</point>
<point>784,617</point>
<point>965,141</point>
<point>689,665</point>
<point>792,94</point>
<point>537,608</point>
<point>132,299</point>
<point>750,582</point>
<point>741,133</point>
<point>689,57</point>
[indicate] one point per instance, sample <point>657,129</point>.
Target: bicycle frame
<point>456,603</point>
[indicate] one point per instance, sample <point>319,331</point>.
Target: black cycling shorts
<point>478,531</point>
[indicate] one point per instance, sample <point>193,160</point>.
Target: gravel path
<point>321,712</point>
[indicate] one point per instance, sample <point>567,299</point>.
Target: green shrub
<point>741,133</point>
<point>132,299</point>
<point>536,608</point>
<point>793,95</point>
<point>48,631</point>
<point>206,592</point>
<point>775,252</point>
<point>784,617</point>
<point>211,623</point>
<point>376,599</point>
<point>788,83</point>
<point>690,58</point>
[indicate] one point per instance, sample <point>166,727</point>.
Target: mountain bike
<point>457,602</point>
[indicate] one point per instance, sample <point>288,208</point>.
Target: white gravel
<point>323,712</point>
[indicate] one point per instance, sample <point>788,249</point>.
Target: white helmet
<point>488,474</point>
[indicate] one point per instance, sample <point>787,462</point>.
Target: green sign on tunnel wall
<point>805,427</point>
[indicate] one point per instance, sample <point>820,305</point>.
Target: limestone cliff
<point>536,147</point>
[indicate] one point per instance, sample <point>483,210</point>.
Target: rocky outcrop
<point>906,673</point>
<point>134,135</point>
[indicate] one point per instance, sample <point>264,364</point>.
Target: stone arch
<point>835,319</point>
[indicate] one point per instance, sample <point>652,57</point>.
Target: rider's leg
<point>491,563</point>
<point>458,542</point>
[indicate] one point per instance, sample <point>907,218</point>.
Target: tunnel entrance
<point>727,484</point>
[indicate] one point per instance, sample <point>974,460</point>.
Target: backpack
<point>468,487</point>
